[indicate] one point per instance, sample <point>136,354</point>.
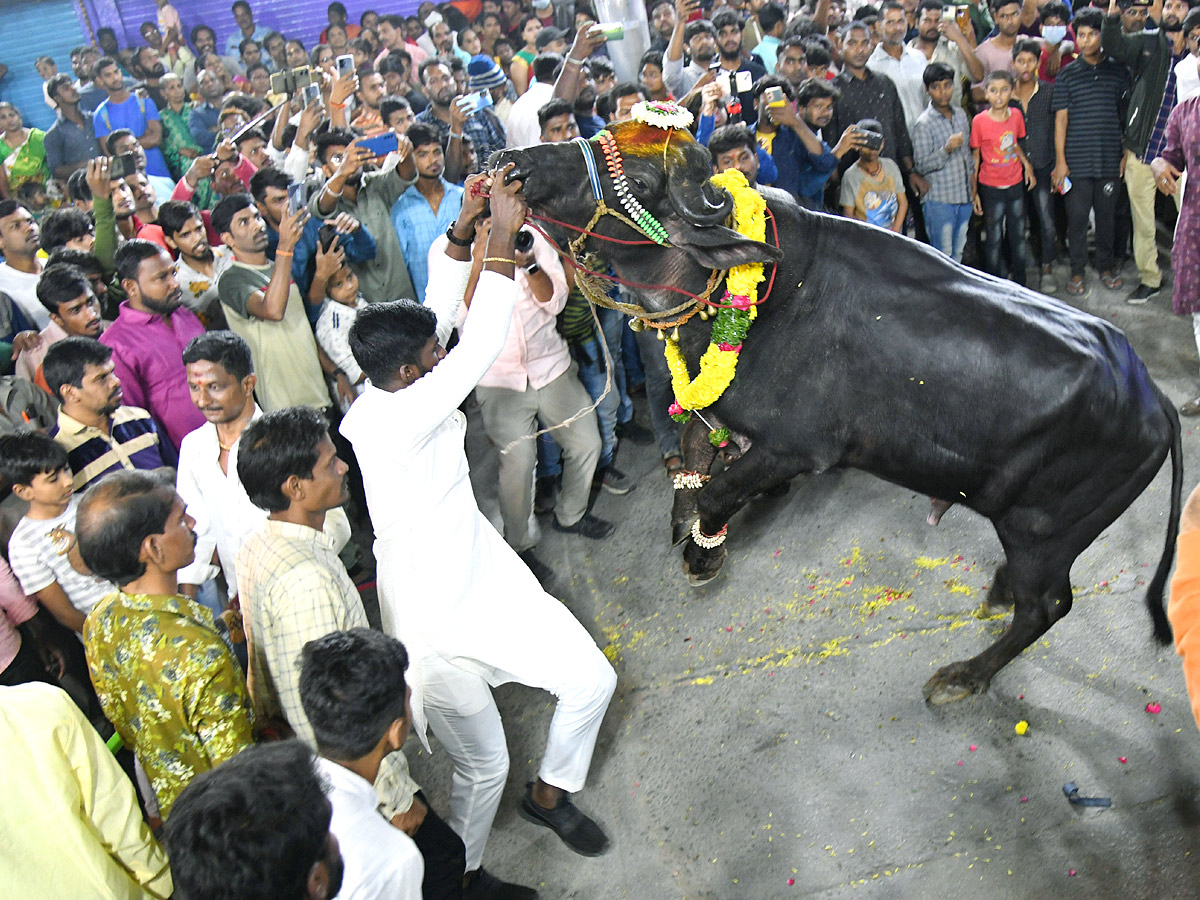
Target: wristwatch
<point>533,268</point>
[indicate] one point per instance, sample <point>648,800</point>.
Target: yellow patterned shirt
<point>170,685</point>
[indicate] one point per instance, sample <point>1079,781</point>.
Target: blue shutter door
<point>303,19</point>
<point>29,29</point>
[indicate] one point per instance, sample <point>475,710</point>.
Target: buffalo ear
<point>718,247</point>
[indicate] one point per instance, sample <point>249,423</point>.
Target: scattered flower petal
<point>959,763</point>
<point>1070,871</point>
<point>1022,727</point>
<point>1024,799</point>
<point>972,748</point>
<point>791,881</point>
<point>1153,708</point>
<point>1122,759</point>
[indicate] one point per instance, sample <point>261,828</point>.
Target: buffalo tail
<point>1154,596</point>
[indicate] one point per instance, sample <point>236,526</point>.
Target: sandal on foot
<point>1077,288</point>
<point>1112,280</point>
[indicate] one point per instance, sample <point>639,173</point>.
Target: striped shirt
<point>1158,134</point>
<point>132,442</point>
<point>949,174</point>
<point>1091,95</point>
<point>40,552</point>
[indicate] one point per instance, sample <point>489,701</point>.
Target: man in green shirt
<point>166,679</point>
<point>263,305</point>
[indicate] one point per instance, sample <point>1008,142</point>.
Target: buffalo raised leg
<point>698,456</point>
<point>1040,599</point>
<point>726,493</point>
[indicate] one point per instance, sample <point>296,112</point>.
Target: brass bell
<point>662,335</point>
<point>675,334</point>
<point>703,314</point>
<point>636,325</point>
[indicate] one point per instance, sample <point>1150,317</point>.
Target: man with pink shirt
<point>535,380</point>
<point>391,35</point>
<point>149,335</point>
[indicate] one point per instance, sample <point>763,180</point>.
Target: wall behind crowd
<point>29,29</point>
<point>33,28</point>
<point>303,19</point>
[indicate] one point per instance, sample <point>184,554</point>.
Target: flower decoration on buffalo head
<point>661,114</point>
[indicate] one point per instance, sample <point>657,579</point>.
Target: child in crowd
<point>168,20</point>
<point>1002,172</point>
<point>343,301</point>
<point>47,68</point>
<point>42,550</point>
<point>873,188</point>
<point>940,153</point>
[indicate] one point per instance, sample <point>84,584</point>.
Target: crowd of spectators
<point>229,271</point>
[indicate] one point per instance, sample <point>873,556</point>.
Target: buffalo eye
<point>638,183</point>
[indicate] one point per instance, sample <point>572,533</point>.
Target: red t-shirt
<point>999,164</point>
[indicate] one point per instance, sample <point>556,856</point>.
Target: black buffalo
<point>877,352</point>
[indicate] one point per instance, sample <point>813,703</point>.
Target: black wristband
<point>533,268</point>
<point>454,240</point>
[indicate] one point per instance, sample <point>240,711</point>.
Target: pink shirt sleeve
<point>15,608</point>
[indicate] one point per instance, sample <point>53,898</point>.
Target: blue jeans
<point>1004,212</point>
<point>659,393</point>
<point>946,224</point>
<point>589,356</point>
<point>612,321</point>
<point>1042,202</point>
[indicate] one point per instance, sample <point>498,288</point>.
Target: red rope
<point>591,234</point>
<point>635,284</point>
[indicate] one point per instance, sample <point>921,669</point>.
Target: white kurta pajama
<point>469,610</point>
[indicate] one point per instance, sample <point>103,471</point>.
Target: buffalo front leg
<point>698,456</point>
<point>1039,602</point>
<point>724,494</point>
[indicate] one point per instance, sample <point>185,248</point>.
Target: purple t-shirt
<point>148,358</point>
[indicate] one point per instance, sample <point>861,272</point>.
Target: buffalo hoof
<point>680,532</point>
<point>952,683</point>
<point>701,565</point>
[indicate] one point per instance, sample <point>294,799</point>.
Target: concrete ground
<point>768,738</point>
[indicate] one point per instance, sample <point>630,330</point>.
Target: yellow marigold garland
<point>718,365</point>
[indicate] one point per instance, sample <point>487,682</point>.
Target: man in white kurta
<point>469,611</point>
<point>207,476</point>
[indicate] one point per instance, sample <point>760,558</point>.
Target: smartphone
<point>744,82</point>
<point>612,31</point>
<point>123,166</point>
<point>872,140</point>
<point>311,94</point>
<point>345,65</point>
<point>381,144</point>
<point>696,13</point>
<point>949,13</point>
<point>279,83</point>
<point>1065,186</point>
<point>297,197</point>
<point>474,102</point>
<point>433,19</point>
<point>302,77</point>
<point>774,96</point>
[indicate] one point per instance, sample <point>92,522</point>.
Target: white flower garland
<point>661,114</point>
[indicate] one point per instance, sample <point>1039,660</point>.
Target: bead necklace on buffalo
<point>718,365</point>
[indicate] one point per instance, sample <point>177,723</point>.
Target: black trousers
<point>444,854</point>
<point>25,667</point>
<point>1086,195</point>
